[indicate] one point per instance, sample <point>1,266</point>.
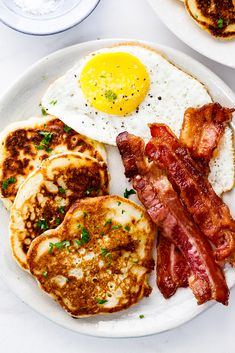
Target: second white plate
<point>173,14</point>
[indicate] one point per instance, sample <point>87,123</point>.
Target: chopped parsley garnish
<point>78,242</point>
<point>116,227</point>
<point>44,112</point>
<point>47,149</point>
<point>60,245</point>
<point>105,253</point>
<point>45,274</point>
<point>85,237</point>
<point>102,234</point>
<point>101,301</point>
<point>84,214</point>
<point>51,246</point>
<point>119,203</point>
<point>67,129</point>
<point>127,193</point>
<point>39,147</point>
<point>53,102</point>
<point>79,226</point>
<point>123,211</point>
<point>61,190</point>
<point>89,191</point>
<point>220,23</point>
<point>57,221</point>
<point>47,137</point>
<point>109,221</point>
<point>8,181</point>
<point>62,209</point>
<point>110,95</point>
<point>42,224</point>
<point>127,228</point>
<point>141,316</point>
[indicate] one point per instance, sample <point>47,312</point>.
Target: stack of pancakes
<point>89,252</point>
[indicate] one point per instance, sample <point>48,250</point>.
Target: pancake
<point>215,16</point>
<point>44,198</point>
<point>98,260</point>
<point>24,144</point>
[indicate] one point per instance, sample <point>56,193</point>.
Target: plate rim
<point>60,53</point>
<point>154,6</point>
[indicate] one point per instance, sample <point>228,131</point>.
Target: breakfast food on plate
<point>172,269</point>
<point>44,198</point>
<point>24,144</point>
<point>201,133</point>
<point>90,251</point>
<point>216,17</point>
<point>202,130</point>
<point>208,210</point>
<point>124,87</point>
<point>166,209</point>
<point>98,260</point>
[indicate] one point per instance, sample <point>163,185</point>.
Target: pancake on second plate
<point>215,16</point>
<point>44,198</point>
<point>98,259</point>
<point>24,144</point>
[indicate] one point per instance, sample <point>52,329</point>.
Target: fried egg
<point>123,88</point>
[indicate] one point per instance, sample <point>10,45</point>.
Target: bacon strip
<point>208,210</point>
<point>166,210</point>
<point>172,269</point>
<point>202,130</point>
<point>135,163</point>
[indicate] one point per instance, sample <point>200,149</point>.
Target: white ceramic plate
<point>175,17</point>
<point>66,15</point>
<point>20,102</point>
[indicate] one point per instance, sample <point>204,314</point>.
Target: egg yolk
<point>115,83</point>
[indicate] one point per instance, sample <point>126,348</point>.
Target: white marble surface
<point>25,331</point>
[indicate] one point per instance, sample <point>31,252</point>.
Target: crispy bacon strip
<point>166,210</point>
<point>208,210</point>
<point>169,259</point>
<point>172,269</point>
<point>202,130</point>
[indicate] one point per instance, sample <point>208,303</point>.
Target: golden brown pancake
<point>215,16</point>
<point>98,259</point>
<point>46,195</point>
<point>25,144</point>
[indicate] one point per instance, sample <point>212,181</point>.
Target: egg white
<point>171,92</point>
